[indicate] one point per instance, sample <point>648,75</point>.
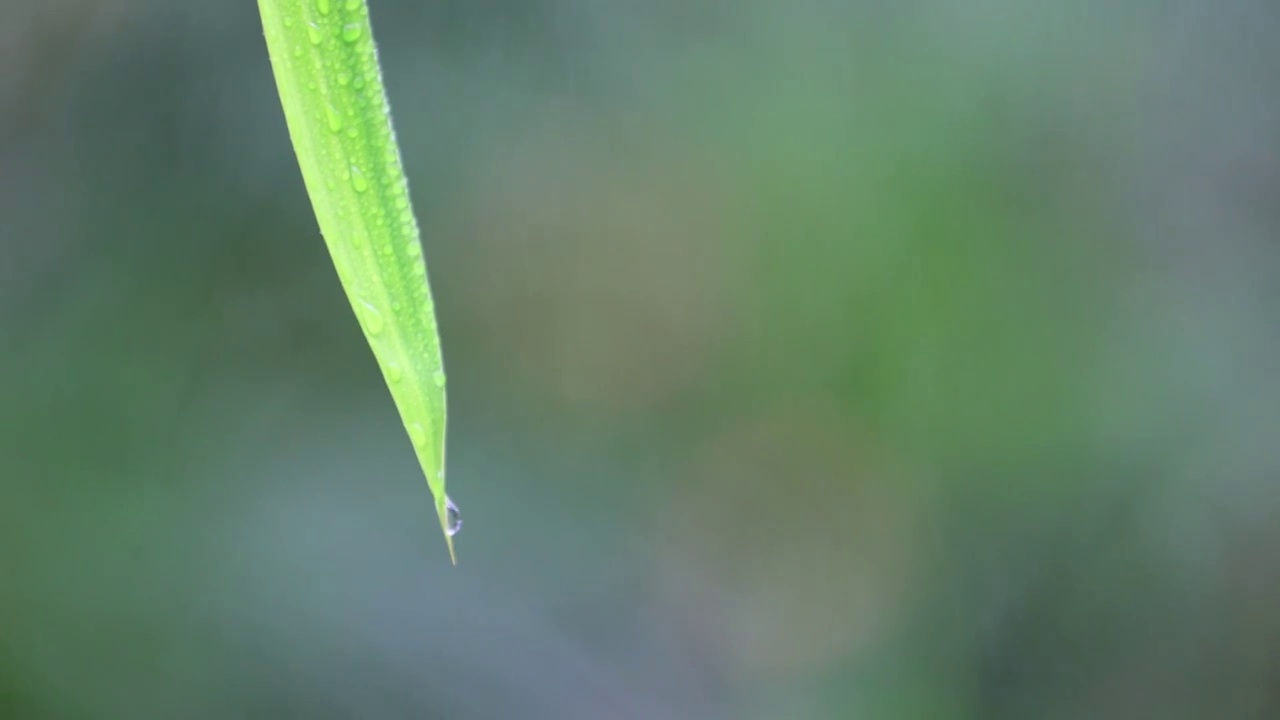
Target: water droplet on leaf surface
<point>453,517</point>
<point>351,32</point>
<point>372,318</point>
<point>323,6</point>
<point>417,435</point>
<point>358,180</point>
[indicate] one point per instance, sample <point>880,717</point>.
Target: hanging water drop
<point>323,6</point>
<point>453,517</point>
<point>314,34</point>
<point>351,32</point>
<point>437,377</point>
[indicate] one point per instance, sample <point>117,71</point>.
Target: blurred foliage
<point>807,360</point>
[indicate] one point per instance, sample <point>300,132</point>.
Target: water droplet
<point>358,180</point>
<point>344,79</point>
<point>314,34</point>
<point>394,373</point>
<point>372,318</point>
<point>335,120</point>
<point>351,32</point>
<point>437,377</point>
<point>352,5</point>
<point>359,83</point>
<point>401,202</point>
<point>323,6</point>
<point>417,435</point>
<point>288,22</point>
<point>414,248</point>
<point>453,517</point>
<point>297,51</point>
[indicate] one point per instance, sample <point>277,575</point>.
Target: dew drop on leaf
<point>351,32</point>
<point>453,517</point>
<point>373,321</point>
<point>358,180</point>
<point>334,118</point>
<point>417,435</point>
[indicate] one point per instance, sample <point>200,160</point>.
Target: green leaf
<point>326,68</point>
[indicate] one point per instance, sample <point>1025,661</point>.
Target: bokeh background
<point>807,359</point>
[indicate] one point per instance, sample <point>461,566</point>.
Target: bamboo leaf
<point>326,68</point>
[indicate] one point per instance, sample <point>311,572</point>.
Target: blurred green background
<point>807,359</point>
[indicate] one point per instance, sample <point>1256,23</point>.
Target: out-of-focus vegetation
<point>807,360</point>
